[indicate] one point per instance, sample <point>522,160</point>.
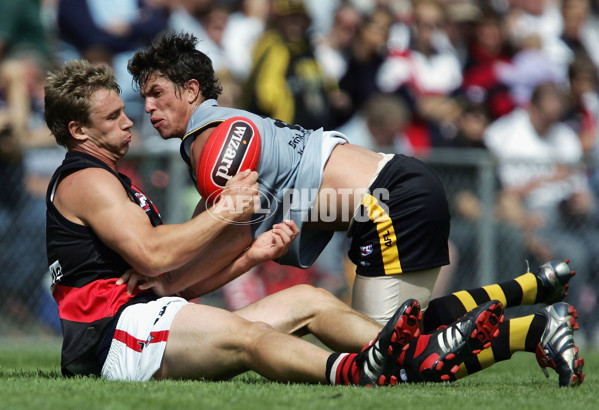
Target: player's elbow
<point>150,262</point>
<point>148,269</point>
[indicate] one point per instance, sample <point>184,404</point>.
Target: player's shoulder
<point>96,173</point>
<point>82,194</point>
<point>91,181</point>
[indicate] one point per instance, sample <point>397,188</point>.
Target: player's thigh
<point>292,309</point>
<point>379,296</point>
<point>205,342</point>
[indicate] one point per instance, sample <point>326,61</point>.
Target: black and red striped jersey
<point>84,272</point>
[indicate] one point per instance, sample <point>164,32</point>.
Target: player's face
<point>169,109</point>
<point>109,128</point>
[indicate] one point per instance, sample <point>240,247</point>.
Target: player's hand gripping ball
<point>234,146</point>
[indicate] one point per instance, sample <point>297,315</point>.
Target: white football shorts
<point>140,338</point>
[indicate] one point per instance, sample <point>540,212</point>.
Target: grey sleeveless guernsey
<point>290,172</point>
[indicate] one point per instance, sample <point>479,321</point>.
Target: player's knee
<point>253,340</point>
<point>306,290</point>
<point>317,297</point>
<point>249,334</point>
<point>328,298</point>
<point>261,326</point>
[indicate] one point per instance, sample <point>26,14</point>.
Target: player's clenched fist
<point>240,197</point>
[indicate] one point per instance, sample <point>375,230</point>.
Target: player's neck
<point>108,158</point>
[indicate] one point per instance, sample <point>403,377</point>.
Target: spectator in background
<point>227,42</point>
<point>549,195</point>
<point>470,125</point>
<point>27,157</point>
<point>462,19</point>
<point>333,50</point>
<point>110,31</point>
<point>467,208</point>
<point>24,160</point>
<point>544,148</point>
<point>322,15</point>
<point>540,18</point>
<point>244,27</point>
<point>368,53</point>
<point>583,118</point>
<point>488,48</point>
<point>583,113</point>
<point>286,81</point>
<point>559,34</point>
<point>380,124</point>
<point>529,67</point>
<point>24,53</point>
<point>425,74</point>
<point>205,19</point>
<point>580,34</point>
<point>21,29</point>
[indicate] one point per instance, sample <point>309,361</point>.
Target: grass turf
<point>30,379</point>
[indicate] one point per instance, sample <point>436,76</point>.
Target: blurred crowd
<point>516,79</point>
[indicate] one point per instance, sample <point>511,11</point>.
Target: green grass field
<point>30,379</point>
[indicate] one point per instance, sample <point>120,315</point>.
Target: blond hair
<point>67,95</point>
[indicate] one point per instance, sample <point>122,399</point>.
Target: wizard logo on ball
<point>233,152</point>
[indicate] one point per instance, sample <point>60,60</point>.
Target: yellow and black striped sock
<point>522,290</point>
<point>520,334</point>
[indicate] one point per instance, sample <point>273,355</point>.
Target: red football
<point>234,146</point>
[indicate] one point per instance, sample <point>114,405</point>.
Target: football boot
<point>377,360</point>
<point>553,280</point>
<point>556,348</point>
<point>436,357</point>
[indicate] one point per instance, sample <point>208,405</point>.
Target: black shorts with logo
<point>403,222</point>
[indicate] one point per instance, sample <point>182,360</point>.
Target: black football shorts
<point>402,224</point>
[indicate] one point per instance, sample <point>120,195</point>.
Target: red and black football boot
<point>436,357</point>
<point>378,359</point>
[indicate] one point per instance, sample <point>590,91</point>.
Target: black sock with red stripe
<point>342,368</point>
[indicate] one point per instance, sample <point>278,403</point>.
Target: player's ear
<point>191,90</point>
<point>76,130</point>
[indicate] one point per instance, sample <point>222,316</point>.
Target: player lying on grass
<point>99,225</point>
<point>399,240</point>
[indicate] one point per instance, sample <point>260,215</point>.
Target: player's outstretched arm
<point>268,246</point>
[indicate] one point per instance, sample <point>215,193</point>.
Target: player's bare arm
<point>191,281</point>
<point>268,246</point>
<point>95,198</point>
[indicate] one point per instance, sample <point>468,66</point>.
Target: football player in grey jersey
<point>393,206</point>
